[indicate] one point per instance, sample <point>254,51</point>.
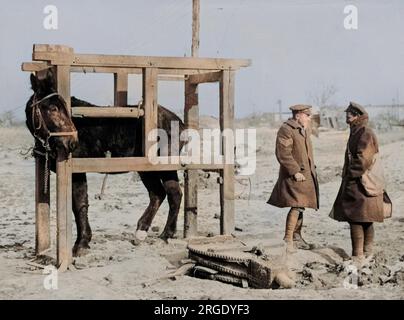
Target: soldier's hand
<point>299,177</point>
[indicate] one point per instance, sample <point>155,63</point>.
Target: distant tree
<point>322,95</point>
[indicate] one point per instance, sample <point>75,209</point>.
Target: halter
<point>36,111</point>
<point>45,141</point>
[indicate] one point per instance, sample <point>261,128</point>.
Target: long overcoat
<point>294,152</point>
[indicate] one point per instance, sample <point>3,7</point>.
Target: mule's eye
<point>53,108</point>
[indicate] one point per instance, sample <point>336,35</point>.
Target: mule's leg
<point>80,210</point>
<point>174,196</point>
<point>157,194</point>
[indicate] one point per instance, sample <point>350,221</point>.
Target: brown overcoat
<point>352,204</point>
<point>294,152</point>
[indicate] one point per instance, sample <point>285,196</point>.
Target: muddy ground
<point>116,269</point>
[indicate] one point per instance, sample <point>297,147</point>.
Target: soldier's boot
<point>297,235</point>
<point>357,238</point>
<point>369,235</point>
<point>291,221</point>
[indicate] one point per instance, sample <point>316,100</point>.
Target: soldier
<point>354,203</point>
<point>297,185</point>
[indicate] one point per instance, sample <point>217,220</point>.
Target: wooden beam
<point>191,120</point>
<point>162,72</point>
<point>34,66</point>
<point>107,112</point>
<point>42,206</point>
<point>52,48</point>
<point>227,223</point>
<point>121,61</point>
<point>205,77</point>
<point>126,164</point>
<point>121,88</point>
<point>64,212</point>
<point>150,111</point>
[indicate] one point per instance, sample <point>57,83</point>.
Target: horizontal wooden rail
<point>126,164</point>
<point>107,112</point>
<point>205,77</point>
<point>99,60</point>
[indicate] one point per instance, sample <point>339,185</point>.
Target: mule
<point>47,119</point>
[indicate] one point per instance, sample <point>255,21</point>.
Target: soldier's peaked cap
<point>355,108</point>
<point>301,108</point>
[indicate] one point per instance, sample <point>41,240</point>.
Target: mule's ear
<point>51,79</point>
<point>34,82</point>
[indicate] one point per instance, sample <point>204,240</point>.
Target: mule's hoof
<point>141,235</point>
<point>167,235</point>
<point>80,249</point>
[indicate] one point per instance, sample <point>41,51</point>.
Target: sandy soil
<point>115,269</point>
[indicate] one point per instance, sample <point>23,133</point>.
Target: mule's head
<point>47,116</point>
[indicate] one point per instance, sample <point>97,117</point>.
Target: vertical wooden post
<point>63,84</point>
<point>42,207</point>
<point>191,119</point>
<point>150,109</point>
<point>196,8</point>
<point>120,89</point>
<point>64,184</point>
<point>227,223</point>
<point>64,212</point>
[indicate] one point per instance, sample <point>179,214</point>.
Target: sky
<point>297,48</point>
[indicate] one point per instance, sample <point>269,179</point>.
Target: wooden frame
<point>193,71</point>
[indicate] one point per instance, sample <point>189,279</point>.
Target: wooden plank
<point>107,112</point>
<point>64,212</point>
<point>34,66</point>
<point>162,72</point>
<point>121,88</point>
<point>191,120</point>
<point>205,77</point>
<point>125,61</point>
<point>42,207</point>
<point>171,77</point>
<point>227,223</point>
<point>150,111</point>
<point>125,164</point>
<point>52,48</point>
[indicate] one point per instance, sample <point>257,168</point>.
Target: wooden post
<point>42,207</point>
<point>227,223</point>
<point>120,88</point>
<point>191,119</point>
<point>150,109</point>
<point>63,84</point>
<point>64,212</point>
<point>64,184</point>
<point>196,8</point>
